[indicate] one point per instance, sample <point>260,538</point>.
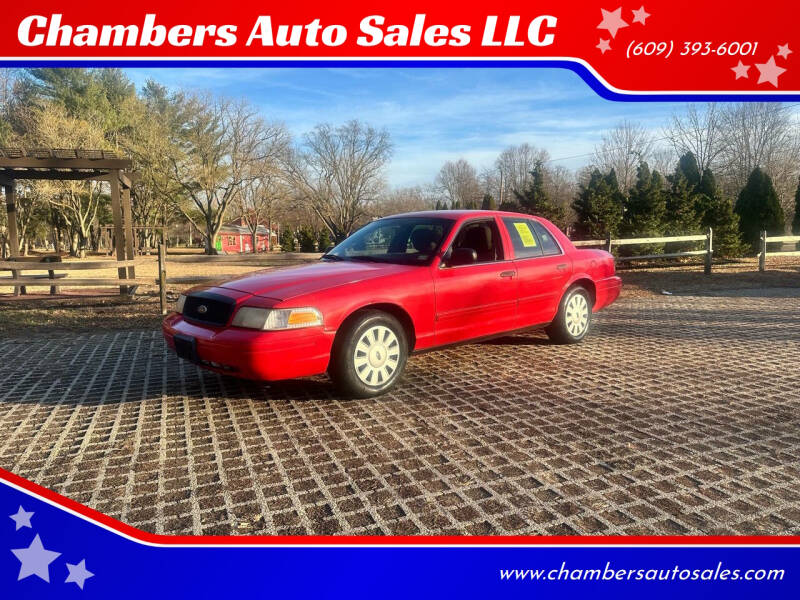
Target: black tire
<point>564,329</point>
<point>362,370</point>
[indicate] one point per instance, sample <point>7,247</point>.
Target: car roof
<point>458,214</point>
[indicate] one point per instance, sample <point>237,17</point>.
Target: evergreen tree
<point>306,239</point>
<point>509,207</point>
<point>599,206</point>
<point>681,215</point>
<point>758,208</point>
<point>688,167</point>
<point>644,210</point>
<point>488,202</point>
<point>718,214</point>
<point>287,240</point>
<point>706,191</point>
<point>646,205</point>
<point>324,240</point>
<point>440,205</point>
<point>796,221</point>
<point>535,201</point>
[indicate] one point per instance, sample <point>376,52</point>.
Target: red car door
<point>479,298</point>
<point>542,267</point>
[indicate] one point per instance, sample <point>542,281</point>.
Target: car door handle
<point>508,273</point>
<point>561,267</point>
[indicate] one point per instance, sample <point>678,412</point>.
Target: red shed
<point>238,239</point>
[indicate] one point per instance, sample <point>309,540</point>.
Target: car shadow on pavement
<point>289,389</point>
<point>518,340</point>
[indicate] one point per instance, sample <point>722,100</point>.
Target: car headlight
<point>271,319</point>
<point>179,304</point>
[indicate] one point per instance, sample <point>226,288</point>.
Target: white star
<point>22,518</point>
<point>604,45</point>
<point>741,70</point>
<point>612,21</point>
<point>783,51</point>
<point>35,560</point>
<point>769,71</point>
<point>640,16</point>
<point>78,573</point>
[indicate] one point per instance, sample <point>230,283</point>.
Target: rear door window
<point>523,238</point>
<point>550,246</point>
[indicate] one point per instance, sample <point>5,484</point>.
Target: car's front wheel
<point>369,354</point>
<point>574,317</point>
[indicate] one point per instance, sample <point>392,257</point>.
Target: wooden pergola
<point>73,164</point>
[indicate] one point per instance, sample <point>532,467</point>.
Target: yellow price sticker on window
<point>525,235</point>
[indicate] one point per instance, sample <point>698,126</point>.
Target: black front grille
<point>207,307</point>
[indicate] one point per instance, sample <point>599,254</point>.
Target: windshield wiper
<point>331,257</point>
<point>365,258</point>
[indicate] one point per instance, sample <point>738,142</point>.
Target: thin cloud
<point>432,114</point>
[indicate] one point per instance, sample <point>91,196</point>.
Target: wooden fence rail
<point>766,239</point>
<point>65,266</point>
<point>256,260</point>
<point>270,258</point>
<point>56,280</point>
<point>30,281</point>
<point>608,244</point>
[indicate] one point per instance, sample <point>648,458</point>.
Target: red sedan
<point>401,284</point>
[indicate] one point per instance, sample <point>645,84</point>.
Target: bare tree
<point>663,159</point>
<point>77,202</point>
<point>458,182</point>
<point>489,179</point>
<point>513,170</point>
<point>259,201</point>
<point>622,149</point>
<point>760,134</point>
<point>155,123</point>
<point>401,200</point>
<point>32,205</point>
<point>560,186</point>
<point>698,131</point>
<point>7,79</point>
<point>220,143</point>
<point>338,172</point>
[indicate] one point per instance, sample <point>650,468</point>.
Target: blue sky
<point>432,114</point>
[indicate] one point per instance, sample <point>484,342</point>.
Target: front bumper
<point>606,291</point>
<point>251,354</point>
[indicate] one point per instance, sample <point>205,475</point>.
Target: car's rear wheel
<point>369,354</point>
<point>574,318</point>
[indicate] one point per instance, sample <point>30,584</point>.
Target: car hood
<point>282,284</point>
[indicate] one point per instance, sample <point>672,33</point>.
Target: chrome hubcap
<point>577,315</point>
<point>377,355</point>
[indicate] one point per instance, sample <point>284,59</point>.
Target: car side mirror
<point>462,256</point>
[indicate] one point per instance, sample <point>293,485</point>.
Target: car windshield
<point>399,240</point>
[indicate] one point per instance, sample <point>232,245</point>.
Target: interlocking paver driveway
<point>678,415</point>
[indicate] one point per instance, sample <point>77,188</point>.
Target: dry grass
<point>147,269</point>
<point>690,279</point>
<point>79,309</point>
